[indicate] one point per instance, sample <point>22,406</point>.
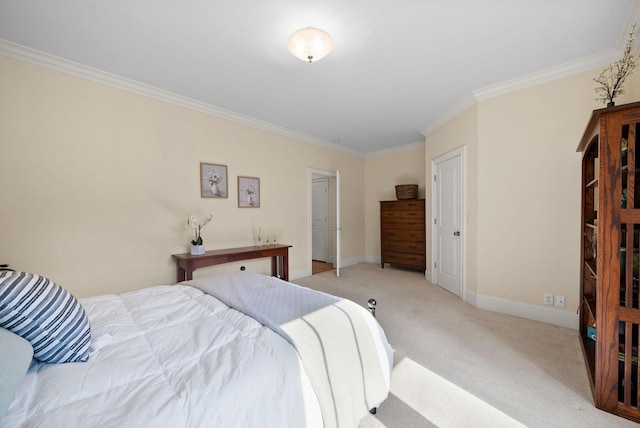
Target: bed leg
<point>372,306</point>
<point>373,411</point>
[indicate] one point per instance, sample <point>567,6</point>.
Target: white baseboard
<point>372,259</point>
<point>299,273</point>
<point>524,310</point>
<point>353,261</point>
<point>428,276</point>
<point>470,298</point>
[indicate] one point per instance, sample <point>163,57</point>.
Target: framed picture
<point>248,192</point>
<point>213,181</point>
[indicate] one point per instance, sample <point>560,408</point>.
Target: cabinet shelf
<point>591,268</point>
<point>590,304</point>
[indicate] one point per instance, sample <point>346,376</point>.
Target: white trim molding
<point>467,102</point>
<point>543,76</point>
<point>405,148</point>
<point>35,57</point>
<point>524,310</point>
<point>547,75</point>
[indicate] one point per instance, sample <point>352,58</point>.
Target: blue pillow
<point>14,361</point>
<point>45,314</point>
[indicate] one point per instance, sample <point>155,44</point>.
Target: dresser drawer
<point>404,247</point>
<point>390,214</point>
<point>403,235</point>
<point>402,223</point>
<point>415,204</point>
<point>409,214</point>
<point>403,259</point>
<point>405,214</point>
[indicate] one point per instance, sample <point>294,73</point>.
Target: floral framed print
<point>248,192</point>
<point>213,181</point>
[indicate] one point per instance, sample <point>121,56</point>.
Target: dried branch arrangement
<point>613,77</point>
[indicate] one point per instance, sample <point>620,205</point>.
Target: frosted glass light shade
<point>310,44</point>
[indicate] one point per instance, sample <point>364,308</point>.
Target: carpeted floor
<point>458,366</point>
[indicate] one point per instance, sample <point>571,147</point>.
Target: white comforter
<point>343,349</point>
<point>170,356</point>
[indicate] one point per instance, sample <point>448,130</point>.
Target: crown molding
<point>548,75</point>
<point>42,59</point>
<point>35,57</point>
<point>464,104</point>
<point>406,147</point>
<point>526,81</point>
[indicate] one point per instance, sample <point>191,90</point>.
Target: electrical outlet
<point>548,299</point>
<point>560,301</point>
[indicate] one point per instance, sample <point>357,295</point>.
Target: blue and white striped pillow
<point>45,314</point>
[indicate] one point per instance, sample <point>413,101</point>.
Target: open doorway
<point>320,220</point>
<point>320,267</point>
<point>323,214</point>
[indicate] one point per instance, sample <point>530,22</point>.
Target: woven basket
<point>407,191</point>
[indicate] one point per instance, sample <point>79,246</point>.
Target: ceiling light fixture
<point>310,44</point>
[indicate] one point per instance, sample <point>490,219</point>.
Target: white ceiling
<point>397,69</point>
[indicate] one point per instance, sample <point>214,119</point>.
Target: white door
<point>448,230</point>
<point>320,220</point>
<point>338,224</point>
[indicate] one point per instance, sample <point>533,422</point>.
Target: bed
<point>230,350</point>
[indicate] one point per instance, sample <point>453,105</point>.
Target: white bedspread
<point>170,356</point>
<point>343,349</point>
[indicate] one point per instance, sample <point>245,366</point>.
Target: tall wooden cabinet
<point>402,233</point>
<point>610,242</point>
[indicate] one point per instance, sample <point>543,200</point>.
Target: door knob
<point>456,233</point>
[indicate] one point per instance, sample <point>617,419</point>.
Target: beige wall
<point>529,191</point>
<point>97,183</point>
<point>382,174</point>
<point>523,188</point>
<point>459,132</point>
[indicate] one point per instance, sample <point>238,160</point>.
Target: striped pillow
<point>45,314</point>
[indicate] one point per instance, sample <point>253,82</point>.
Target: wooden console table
<point>279,259</point>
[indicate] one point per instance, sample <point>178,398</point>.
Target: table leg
<point>285,267</point>
<point>185,272</point>
<point>274,266</point>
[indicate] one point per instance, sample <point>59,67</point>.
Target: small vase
<point>611,104</point>
<point>197,250</point>
<point>214,189</point>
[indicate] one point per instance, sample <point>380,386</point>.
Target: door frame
<point>335,212</point>
<point>461,152</point>
<point>326,231</point>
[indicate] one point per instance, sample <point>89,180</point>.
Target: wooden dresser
<point>402,233</point>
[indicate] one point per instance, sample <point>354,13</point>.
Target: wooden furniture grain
<point>279,259</point>
<point>610,242</point>
<point>402,233</point>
